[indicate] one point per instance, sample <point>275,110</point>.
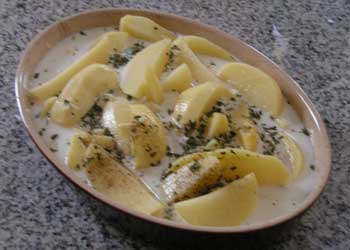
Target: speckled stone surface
<point>309,39</point>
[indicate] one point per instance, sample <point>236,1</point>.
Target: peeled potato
<point>217,125</point>
<point>149,140</point>
<point>144,28</point>
<point>76,152</point>
<point>269,170</point>
<point>255,85</point>
<point>135,80</point>
<point>117,183</point>
<point>203,46</point>
<point>191,179</point>
<point>179,79</point>
<point>80,94</point>
<point>99,53</point>
<point>199,71</point>
<point>153,90</point>
<point>195,101</point>
<point>246,129</point>
<point>48,105</point>
<point>227,206</point>
<point>117,117</point>
<point>295,154</point>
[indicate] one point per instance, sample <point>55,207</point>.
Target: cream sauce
<point>272,201</point>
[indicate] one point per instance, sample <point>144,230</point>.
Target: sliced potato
<point>117,117</point>
<point>99,53</point>
<point>269,170</point>
<point>144,28</point>
<point>203,46</point>
<point>153,90</point>
<point>217,125</point>
<point>80,94</point>
<point>107,142</point>
<point>117,183</point>
<point>192,179</point>
<point>134,80</point>
<point>194,102</point>
<point>248,134</point>
<point>148,134</point>
<point>179,79</point>
<point>48,103</point>
<point>295,154</point>
<point>255,85</point>
<point>245,128</point>
<point>227,206</point>
<point>199,71</point>
<point>76,152</point>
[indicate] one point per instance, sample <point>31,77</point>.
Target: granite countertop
<point>309,39</point>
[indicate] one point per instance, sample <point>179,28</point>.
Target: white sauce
<point>272,201</point>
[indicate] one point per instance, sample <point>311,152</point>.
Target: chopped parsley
<point>82,33</point>
<point>305,131</point>
<point>36,75</point>
<point>195,166</point>
<point>54,137</point>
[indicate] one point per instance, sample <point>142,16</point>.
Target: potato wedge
<point>148,134</point>
<point>80,94</point>
<point>269,170</point>
<point>76,153</point>
<point>245,128</point>
<point>217,125</point>
<point>203,46</point>
<point>48,103</point>
<point>134,80</point>
<point>227,206</point>
<point>144,28</point>
<point>117,117</point>
<point>255,85</point>
<point>99,53</point>
<point>199,71</point>
<point>195,101</point>
<point>295,154</point>
<point>179,79</point>
<point>192,179</point>
<point>117,183</point>
<point>153,90</point>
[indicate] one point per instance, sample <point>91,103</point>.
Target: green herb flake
<point>54,137</point>
<point>305,131</point>
<point>195,166</point>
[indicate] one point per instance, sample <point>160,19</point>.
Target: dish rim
<point>304,99</point>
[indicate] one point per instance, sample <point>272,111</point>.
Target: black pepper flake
<point>195,166</point>
<point>54,137</point>
<point>66,102</point>
<point>153,154</point>
<point>305,131</point>
<point>254,113</point>
<point>155,28</point>
<point>53,150</point>
<point>36,75</point>
<point>107,132</point>
<point>82,33</point>
<point>41,131</point>
<point>129,97</point>
<point>312,167</point>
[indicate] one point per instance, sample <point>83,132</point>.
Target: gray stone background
<point>39,210</point>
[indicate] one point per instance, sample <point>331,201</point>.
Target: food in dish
<point>179,113</point>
